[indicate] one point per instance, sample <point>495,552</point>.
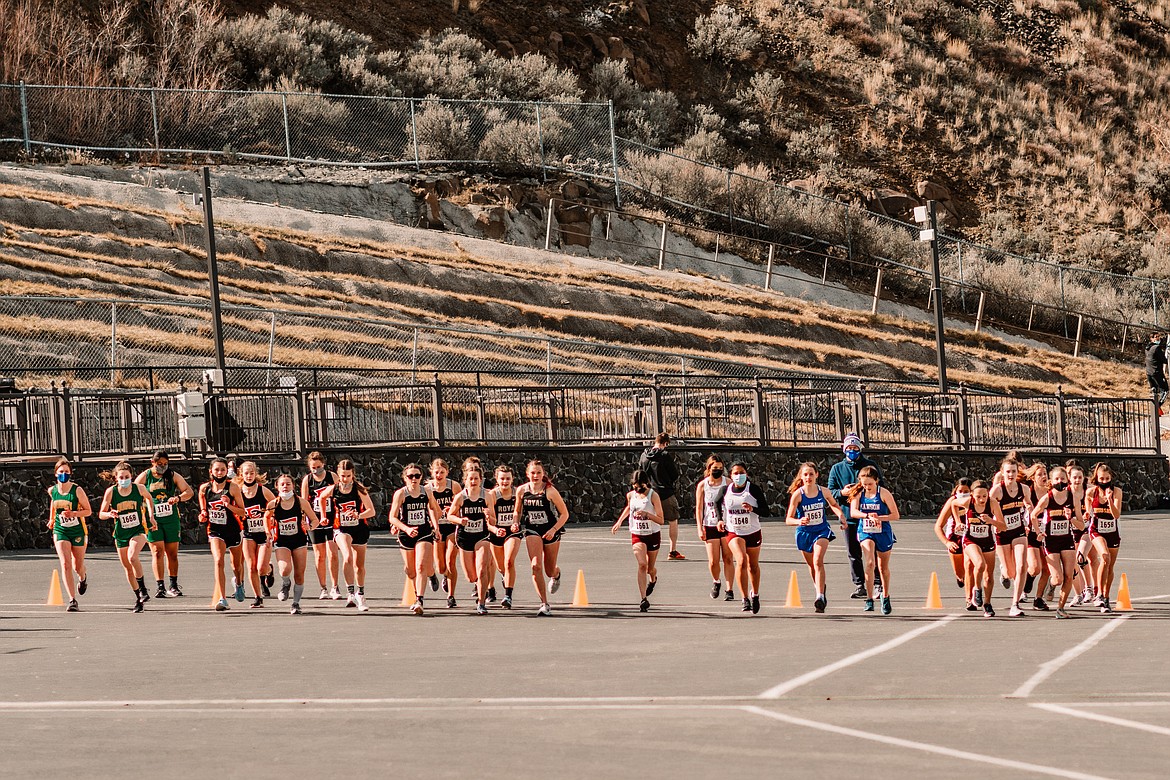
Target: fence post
<point>414,135</point>
<point>480,416</point>
<point>1080,330</point>
<point>67,408</point>
<point>730,218</point>
<point>825,271</point>
<point>414,359</point>
<point>863,415</point>
<point>113,343</point>
<point>904,424</point>
<point>1031,314</point>
<point>1153,297</point>
<point>979,314</point>
<point>271,348</point>
<point>1156,421</point>
<point>548,227</point>
<point>287,135</point>
<point>877,292</point>
<point>761,414</point>
<point>717,237</point>
<point>551,405</point>
<point>127,425</point>
<point>617,191</point>
<point>962,279</point>
<point>655,407</point>
<point>705,419</point>
<point>298,401</point>
<point>437,409</point>
<point>540,141</point>
<point>1063,306</point>
<point>964,427</point>
<point>768,275</point>
<point>24,118</point>
<point>1061,421</point>
<point>662,248</point>
<point>154,119</point>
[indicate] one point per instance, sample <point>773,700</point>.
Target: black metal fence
<point>102,424</point>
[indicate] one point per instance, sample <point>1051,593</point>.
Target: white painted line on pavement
<point>784,687</point>
<point>1050,668</point>
<point>1152,598</point>
<point>578,701</point>
<point>925,747</point>
<point>1078,704</point>
<point>1129,724</point>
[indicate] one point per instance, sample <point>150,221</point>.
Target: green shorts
<point>122,540</point>
<point>75,536</point>
<point>168,530</point>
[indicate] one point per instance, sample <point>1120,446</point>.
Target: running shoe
<point>451,602</point>
<point>507,602</point>
<point>324,594</point>
<point>481,609</point>
<point>434,583</point>
<point>284,589</point>
<point>362,606</point>
<point>887,608</point>
<point>644,606</point>
<point>858,592</point>
<point>971,606</point>
<point>820,603</point>
<point>296,608</point>
<point>268,580</point>
<point>1050,592</point>
<point>1075,601</point>
<point>446,586</point>
<point>715,588</point>
<point>1015,611</point>
<point>350,600</point>
<point>675,555</point>
<point>730,595</point>
<point>988,611</point>
<point>175,591</point>
<point>747,605</point>
<point>144,595</point>
<point>491,595</point>
<point>868,606</point>
<point>334,593</point>
<point>161,593</point>
<point>544,610</point>
<point>221,605</point>
<point>1039,604</point>
<point>1061,614</point>
<point>259,602</point>
<point>264,587</point>
<point>1100,601</point>
<point>961,584</point>
<point>877,588</point>
<point>555,583</point>
<point>240,592</point>
<point>650,586</point>
<point>138,605</point>
<point>72,606</point>
<point>417,608</point>
<point>977,597</point>
<point>82,586</point>
<point>756,604</point>
<point>1106,608</point>
<point>1005,582</point>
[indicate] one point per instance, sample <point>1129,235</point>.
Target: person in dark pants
<point>663,473</point>
<point>842,477</point>
<point>1155,368</point>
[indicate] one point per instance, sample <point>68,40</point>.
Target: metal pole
<point>730,219</point>
<point>938,302</point>
<point>617,191</point>
<point>414,135</point>
<point>1063,306</point>
<point>113,343</point>
<point>979,314</point>
<point>24,118</point>
<point>213,278</point>
<point>716,249</point>
<point>287,135</point>
<point>662,248</point>
<point>540,140</point>
<point>154,118</point>
<point>271,349</point>
<point>547,362</point>
<point>768,275</point>
<point>548,227</point>
<point>1080,328</point>
<point>962,280</point>
<point>1154,300</point>
<point>877,292</point>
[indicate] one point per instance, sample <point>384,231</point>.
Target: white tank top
<point>710,515</point>
<point>642,526</point>
<point>740,521</point>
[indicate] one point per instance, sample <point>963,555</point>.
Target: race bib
<point>68,522</point>
<point>639,526</point>
<point>255,522</point>
<point>871,525</point>
<point>1106,524</point>
<point>738,520</point>
<point>349,518</point>
<point>710,516</point>
<point>217,516</point>
<point>287,527</point>
<point>815,516</point>
<point>978,530</point>
<point>538,517</point>
<point>1014,520</point>
<point>1058,527</point>
<point>505,519</point>
<point>165,509</point>
<point>473,525</point>
<point>416,516</point>
<point>129,519</point>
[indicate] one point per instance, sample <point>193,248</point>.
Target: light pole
<point>213,275</point>
<point>928,216</point>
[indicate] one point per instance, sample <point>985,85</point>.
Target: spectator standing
<point>659,465</point>
<point>1156,368</point>
<point>842,479</point>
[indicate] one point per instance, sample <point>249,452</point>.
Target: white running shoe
<point>417,608</point>
<point>361,603</point>
<point>554,584</point>
<point>324,594</point>
<point>544,610</point>
<point>351,600</point>
<point>1016,611</point>
<point>335,594</point>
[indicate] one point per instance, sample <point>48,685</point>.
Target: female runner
<point>221,508</point>
<point>68,509</point>
<point>707,519</point>
<point>414,515</point>
<point>1087,560</point>
<point>806,510</point>
<point>476,518</point>
<point>132,510</point>
<point>1104,500</point>
<point>644,510</point>
<point>1035,478</point>
<point>313,486</point>
<point>741,504</point>
<point>505,536</point>
<point>945,528</point>
<point>257,551</point>
<point>289,518</point>
<point>351,506</point>
<point>537,502</point>
<point>168,489</point>
<point>980,519</point>
<point>446,551</point>
<point>1013,500</point>
<point>1060,514</point>
<point>874,507</point>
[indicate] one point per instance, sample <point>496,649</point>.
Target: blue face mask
<point>852,455</point>
<point>63,477</point>
<point>123,484</point>
<point>739,479</point>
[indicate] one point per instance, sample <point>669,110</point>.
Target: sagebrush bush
<point>724,35</point>
<point>444,132</point>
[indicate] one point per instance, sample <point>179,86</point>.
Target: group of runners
<point>1048,528</point>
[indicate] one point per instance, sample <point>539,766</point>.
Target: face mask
<point>852,455</point>
<point>717,473</point>
<point>123,484</point>
<point>231,474</point>
<point>739,479</point>
<point>63,477</point>
<point>639,488</point>
<point>161,469</point>
<point>1101,484</point>
<point>249,483</point>
<point>286,494</point>
<point>218,480</point>
<point>1059,485</point>
<point>318,473</point>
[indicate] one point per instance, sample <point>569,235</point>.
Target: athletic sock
<point>285,581</point>
<point>508,592</point>
<point>141,584</point>
<point>297,591</point>
<point>350,589</point>
<point>174,582</point>
<point>235,583</point>
<point>820,595</point>
<point>1029,581</point>
<point>160,583</point>
<point>361,590</point>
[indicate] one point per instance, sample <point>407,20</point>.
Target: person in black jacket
<point>659,465</point>
<point>842,477</point>
<point>1155,367</point>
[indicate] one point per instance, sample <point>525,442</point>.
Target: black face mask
<point>717,473</point>
<point>639,488</point>
<point>1060,486</point>
<point>219,480</point>
<point>250,483</point>
<point>1103,485</point>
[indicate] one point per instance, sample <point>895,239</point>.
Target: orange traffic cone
<point>933,598</point>
<point>793,599</point>
<point>1123,602</point>
<point>215,598</point>
<point>580,595</point>
<point>409,596</point>
<point>55,599</point>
